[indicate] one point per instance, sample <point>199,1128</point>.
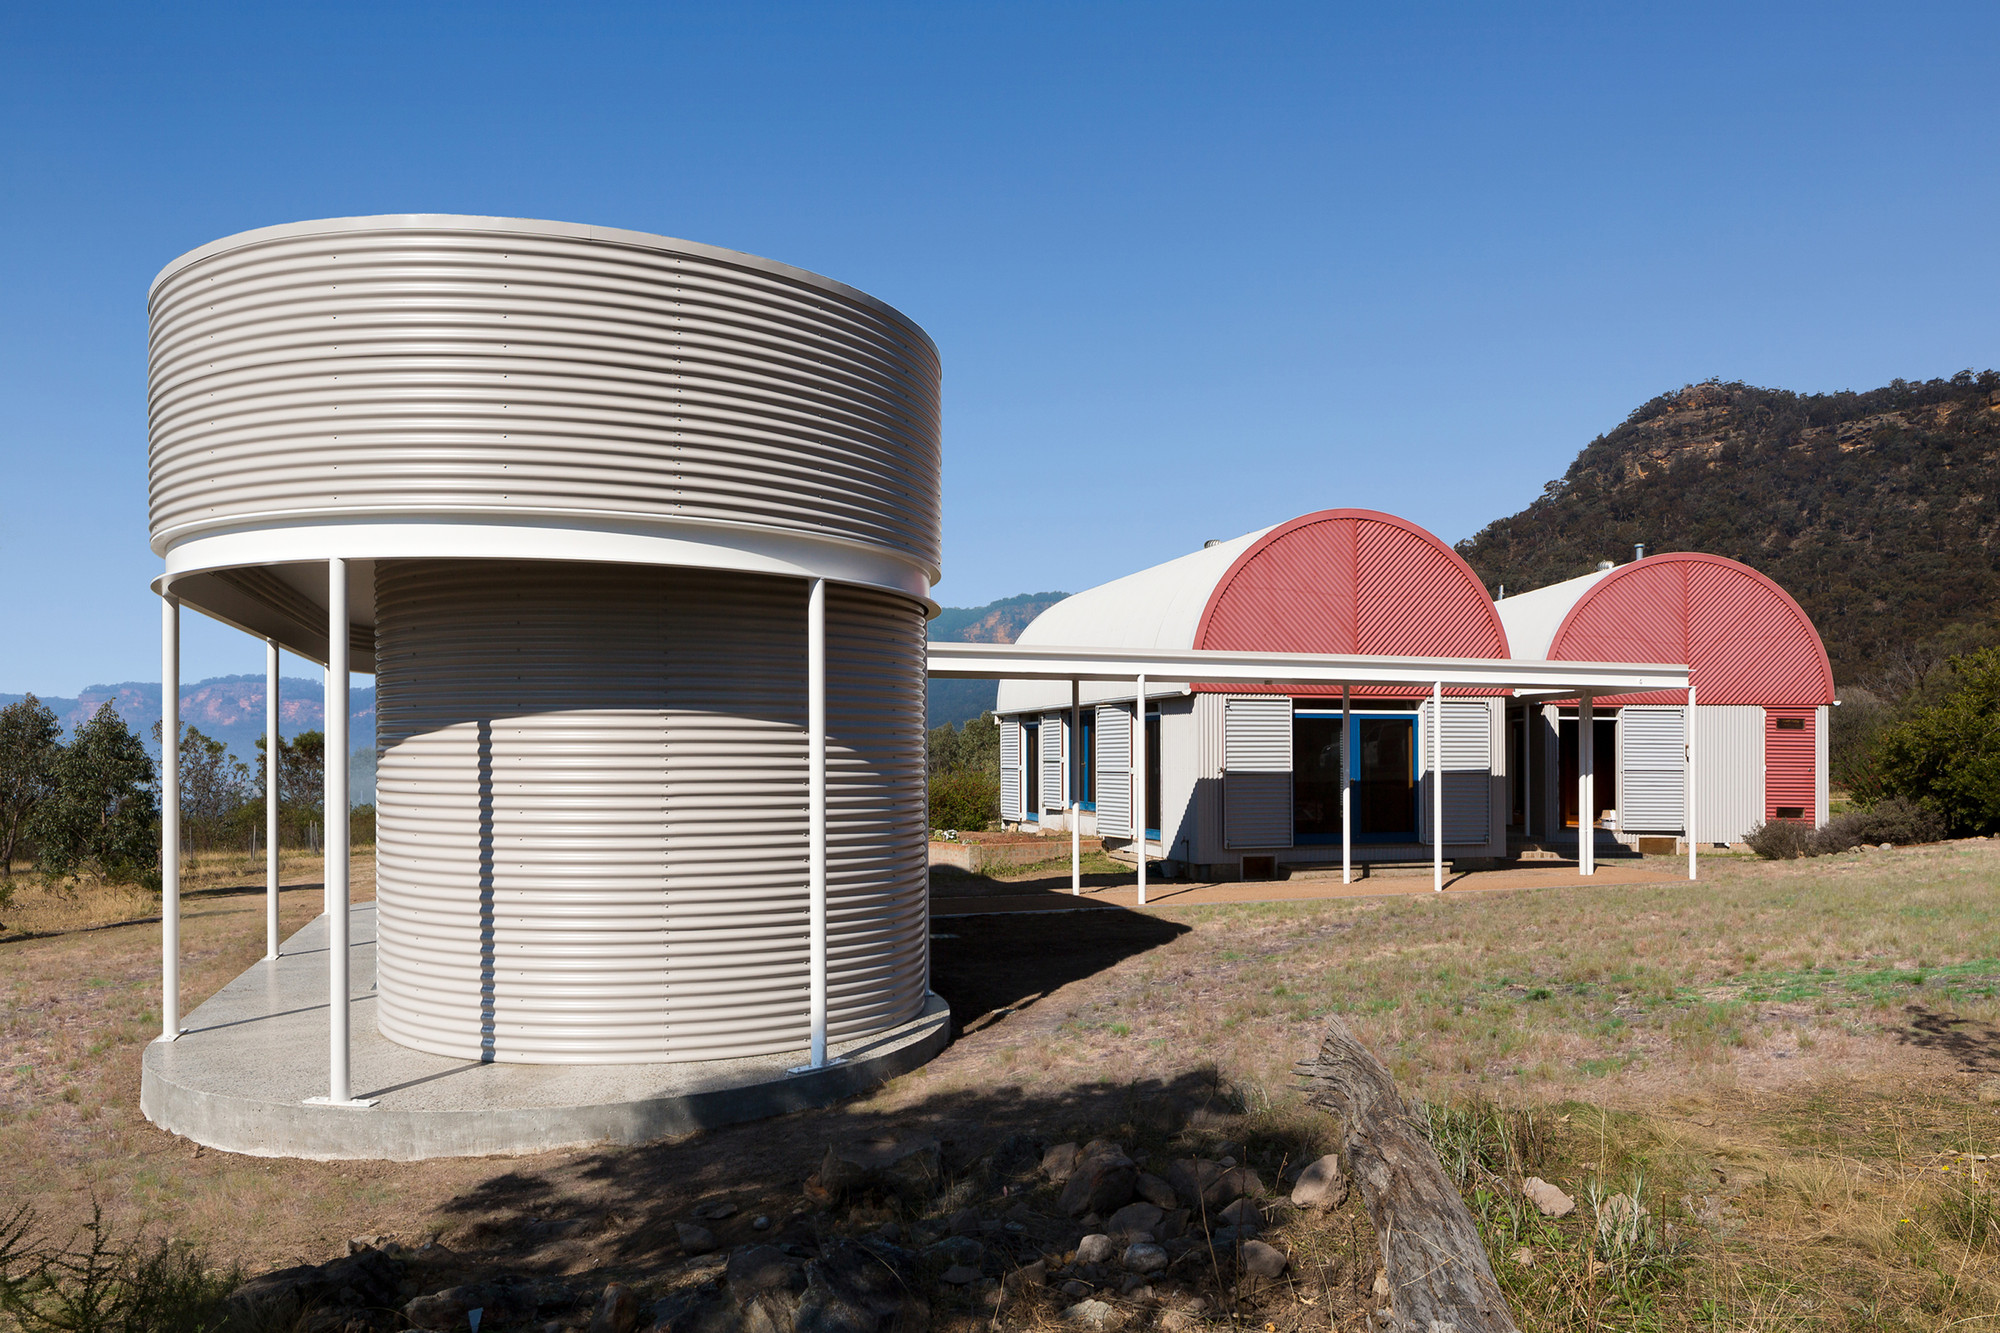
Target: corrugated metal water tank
<point>581,481</point>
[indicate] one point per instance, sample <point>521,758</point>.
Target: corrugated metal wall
<point>591,806</point>
<point>1652,777</point>
<point>478,366</point>
<point>1468,771</point>
<point>1257,771</point>
<point>1054,794</point>
<point>1012,783</point>
<point>1729,773</point>
<point>1114,770</point>
<point>1207,720</point>
<point>1821,718</point>
<point>1180,787</point>
<point>1791,763</point>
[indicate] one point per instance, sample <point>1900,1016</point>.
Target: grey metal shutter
<point>1257,771</point>
<point>1055,794</point>
<point>1652,772</point>
<point>1114,771</point>
<point>1467,765</point>
<point>1010,768</point>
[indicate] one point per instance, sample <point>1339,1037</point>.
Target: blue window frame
<point>1031,779</point>
<point>1153,776</point>
<point>1382,755</point>
<point>1084,765</point>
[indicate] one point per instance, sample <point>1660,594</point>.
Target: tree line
<point>92,804</point>
<point>965,775</point>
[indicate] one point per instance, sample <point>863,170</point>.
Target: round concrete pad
<point>239,1076</point>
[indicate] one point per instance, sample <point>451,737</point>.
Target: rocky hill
<point>1878,511</point>
<point>956,702</point>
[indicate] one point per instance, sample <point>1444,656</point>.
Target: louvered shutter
<point>1054,791</point>
<point>1010,768</point>
<point>1467,765</point>
<point>1114,771</point>
<point>1652,769</point>
<point>1257,771</point>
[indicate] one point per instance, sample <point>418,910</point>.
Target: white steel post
<point>1528,734</point>
<point>1075,776</point>
<point>1139,783</point>
<point>1586,784</point>
<point>1346,787</point>
<point>334,803</point>
<point>170,818</point>
<point>1437,786</point>
<point>270,798</point>
<point>1687,786</point>
<point>816,809</point>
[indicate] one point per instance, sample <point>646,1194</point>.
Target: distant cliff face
<point>1878,511</point>
<point>955,702</point>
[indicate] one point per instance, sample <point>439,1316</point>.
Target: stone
<point>1226,1237</point>
<point>367,1280</point>
<point>702,1310</point>
<point>959,1275</point>
<point>1076,1289</point>
<point>694,1239</point>
<point>1096,1314</point>
<point>1202,1184</point>
<point>1143,1257</point>
<point>1261,1260</point>
<point>1178,1321</point>
<point>756,1268</point>
<point>964,1222</point>
<point>760,1223</point>
<point>1524,1257</point>
<point>908,1166</point>
<point>1174,1225</point>
<point>1321,1186</point>
<point>1035,1274</point>
<point>859,1287</point>
<point>1102,1182</point>
<point>1242,1213</point>
<point>450,1309</point>
<point>957,1250</point>
<point>1095,1249</point>
<point>714,1210</point>
<point>1134,1219</point>
<point>1549,1200</point>
<point>617,1310</point>
<point>1059,1161</point>
<point>1016,1160</point>
<point>1156,1192</point>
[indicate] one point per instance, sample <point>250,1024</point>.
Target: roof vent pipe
<point>1212,541</point>
<point>1604,565</point>
<point>1639,551</point>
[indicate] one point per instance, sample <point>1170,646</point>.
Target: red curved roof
<point>1743,637</point>
<point>1352,581</point>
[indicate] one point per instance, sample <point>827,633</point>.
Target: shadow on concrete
<point>1974,1043</point>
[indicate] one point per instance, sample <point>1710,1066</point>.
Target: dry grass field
<point>1794,1066</point>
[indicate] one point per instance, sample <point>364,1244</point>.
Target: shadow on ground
<point>1973,1043</point>
<point>987,967</point>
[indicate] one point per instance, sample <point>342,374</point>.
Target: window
<point>1789,724</point>
<point>1084,769</point>
<point>1031,760</point>
<point>1153,776</point>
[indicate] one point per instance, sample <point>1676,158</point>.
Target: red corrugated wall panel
<point>1352,581</point>
<point>1791,763</point>
<point>1744,637</point>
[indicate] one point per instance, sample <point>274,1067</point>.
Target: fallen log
<point>1440,1279</point>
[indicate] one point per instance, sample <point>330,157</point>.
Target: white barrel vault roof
<point>1159,607</point>
<point>1532,618</point>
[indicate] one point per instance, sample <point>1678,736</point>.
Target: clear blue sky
<point>1193,269</point>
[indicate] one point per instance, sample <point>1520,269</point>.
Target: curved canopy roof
<point>1744,638</point>
<point>1352,581</point>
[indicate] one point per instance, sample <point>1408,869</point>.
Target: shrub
<point>1894,819</point>
<point>1782,840</point>
<point>964,800</point>
<point>1948,756</point>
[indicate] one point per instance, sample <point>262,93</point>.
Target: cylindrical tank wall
<point>463,368</point>
<point>591,804</point>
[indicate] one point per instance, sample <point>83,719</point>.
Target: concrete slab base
<point>248,1062</point>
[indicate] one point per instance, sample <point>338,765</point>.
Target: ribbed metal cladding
<point>456,367</point>
<point>591,804</point>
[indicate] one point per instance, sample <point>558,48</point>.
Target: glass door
<point>1384,755</point>
<point>1031,758</point>
<point>1315,778</point>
